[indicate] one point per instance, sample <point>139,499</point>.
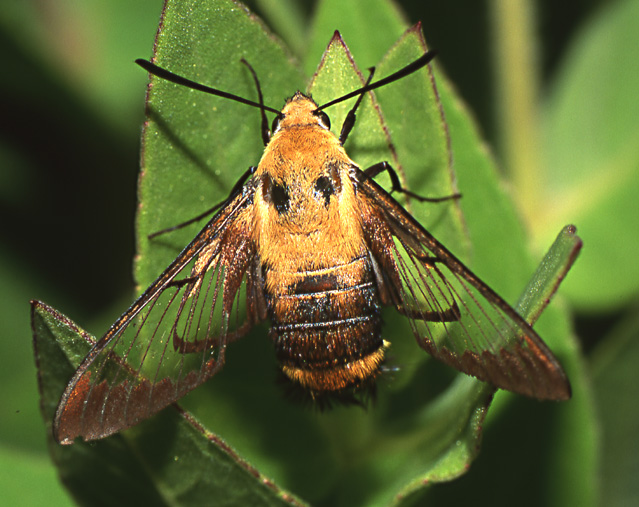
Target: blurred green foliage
<point>72,104</point>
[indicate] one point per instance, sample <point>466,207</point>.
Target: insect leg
<point>380,167</point>
<point>234,191</point>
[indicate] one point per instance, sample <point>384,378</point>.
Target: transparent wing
<point>454,315</point>
<point>173,337</point>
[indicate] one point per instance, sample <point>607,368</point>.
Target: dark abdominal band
<point>322,323</point>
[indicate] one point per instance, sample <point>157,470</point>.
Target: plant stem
<point>517,89</point>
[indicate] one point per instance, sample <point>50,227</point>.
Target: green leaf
<point>591,138</point>
<point>170,460</point>
<point>356,21</point>
<point>196,146</point>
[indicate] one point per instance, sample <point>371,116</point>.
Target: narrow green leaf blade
<point>550,273</point>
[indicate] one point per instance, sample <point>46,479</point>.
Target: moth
<point>308,241</point>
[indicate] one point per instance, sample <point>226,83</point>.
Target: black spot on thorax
<point>276,194</point>
<point>325,189</point>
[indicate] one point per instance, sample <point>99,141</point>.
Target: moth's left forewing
<point>174,335</point>
<point>454,315</point>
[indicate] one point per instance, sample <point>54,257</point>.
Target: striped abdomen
<point>326,325</point>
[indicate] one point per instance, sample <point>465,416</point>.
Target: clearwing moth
<point>310,242</point>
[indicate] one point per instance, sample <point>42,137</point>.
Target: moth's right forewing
<point>455,316</point>
<point>174,335</point>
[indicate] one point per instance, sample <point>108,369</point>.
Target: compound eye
<point>323,119</point>
<point>276,123</point>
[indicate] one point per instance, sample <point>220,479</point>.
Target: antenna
<point>405,71</point>
<point>174,78</point>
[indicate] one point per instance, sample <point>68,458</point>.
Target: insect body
<point>313,244</point>
<point>319,282</point>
